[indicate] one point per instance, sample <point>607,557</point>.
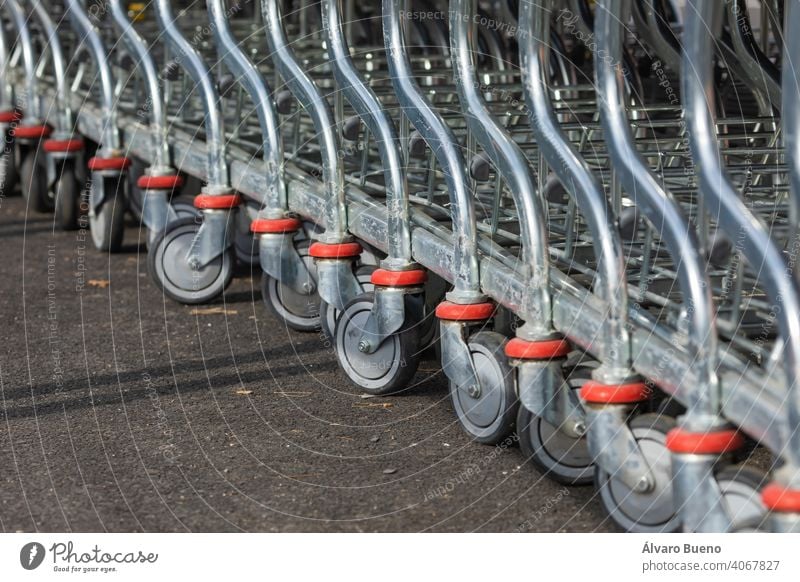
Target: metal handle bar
<point>139,48</point>
<point>306,92</point>
<point>363,99</point>
<point>577,178</point>
<point>661,210</point>
<point>64,116</point>
<point>650,25</point>
<point>703,23</point>
<point>193,63</point>
<point>89,35</point>
<point>510,161</point>
<point>255,84</point>
<point>32,105</point>
<point>445,147</point>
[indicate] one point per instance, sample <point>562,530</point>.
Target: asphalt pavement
<point>124,411</point>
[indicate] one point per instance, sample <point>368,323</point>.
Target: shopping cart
<point>605,230</point>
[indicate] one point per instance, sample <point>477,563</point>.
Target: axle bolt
<point>363,346</point>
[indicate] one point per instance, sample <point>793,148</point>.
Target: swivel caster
<point>168,265</point>
<point>651,510</point>
<point>68,194</point>
<point>329,314</point>
<point>741,489</point>
<point>135,194</point>
<point>561,456</point>
<point>299,312</point>
<point>392,366</point>
<point>487,412</point>
<point>107,222</point>
<point>33,181</point>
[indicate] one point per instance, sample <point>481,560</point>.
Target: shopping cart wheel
<point>741,493</point>
<point>107,223</point>
<point>563,458</point>
<point>33,181</point>
<point>299,312</point>
<point>184,208</point>
<point>392,366</point>
<point>487,415</point>
<point>67,191</point>
<point>8,171</point>
<point>653,511</point>
<point>329,314</point>
<point>245,244</point>
<point>168,265</point>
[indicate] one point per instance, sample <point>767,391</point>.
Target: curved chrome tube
<point>511,164</point>
<point>306,92</point>
<point>89,36</point>
<point>275,204</point>
<point>445,147</point>
<point>703,22</point>
<point>703,401</point>
<point>65,119</point>
<point>579,181</point>
<point>374,116</point>
<point>31,103</point>
<point>138,47</point>
<point>192,62</point>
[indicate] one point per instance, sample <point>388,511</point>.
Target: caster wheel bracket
<point>281,261</point>
<point>543,391</point>
<point>212,238</point>
<point>157,212</point>
<point>702,508</point>
<point>337,281</point>
<point>387,317</point>
<point>103,188</point>
<point>457,362</point>
<point>614,447</point>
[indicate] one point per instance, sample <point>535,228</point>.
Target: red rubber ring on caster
<point>334,251</point>
<point>101,164</point>
<point>781,499</point>
<point>597,393</point>
<point>519,349</point>
<point>386,278</point>
<point>32,131</point>
<point>168,182</point>
<point>63,145</point>
<point>10,116</point>
<point>703,443</point>
<point>217,202</point>
<point>450,311</point>
<point>274,225</point>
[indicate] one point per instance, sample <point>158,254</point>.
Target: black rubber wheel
<point>135,194</point>
<point>184,208</point>
<point>394,363</point>
<point>741,493</point>
<point>9,176</point>
<point>67,192</point>
<point>107,223</point>
<point>488,418</point>
<point>299,312</point>
<point>33,181</point>
<point>561,457</point>
<point>245,244</point>
<point>653,511</point>
<point>329,314</point>
<point>167,265</point>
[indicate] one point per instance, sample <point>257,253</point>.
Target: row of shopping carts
<point>589,209</point>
